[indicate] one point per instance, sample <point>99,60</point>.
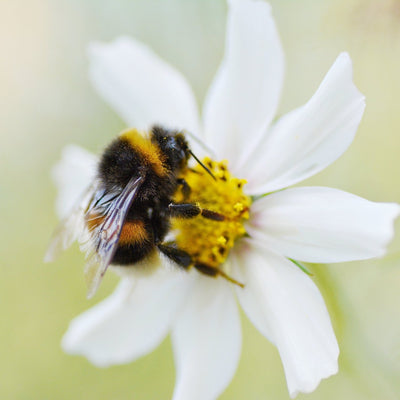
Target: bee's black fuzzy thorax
<point>118,164</point>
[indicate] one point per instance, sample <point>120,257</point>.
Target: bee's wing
<point>71,227</point>
<point>104,238</point>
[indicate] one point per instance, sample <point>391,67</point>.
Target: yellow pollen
<point>206,240</point>
<point>238,207</point>
<point>221,240</point>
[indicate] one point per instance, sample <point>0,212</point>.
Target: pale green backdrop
<point>46,102</point>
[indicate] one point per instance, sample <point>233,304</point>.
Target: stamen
<point>209,241</point>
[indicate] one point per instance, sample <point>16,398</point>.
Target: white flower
<point>310,224</point>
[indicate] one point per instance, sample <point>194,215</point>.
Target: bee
<point>124,216</point>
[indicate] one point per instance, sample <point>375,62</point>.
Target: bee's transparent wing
<point>72,227</point>
<point>102,241</point>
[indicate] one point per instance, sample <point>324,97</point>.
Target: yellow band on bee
<point>149,151</point>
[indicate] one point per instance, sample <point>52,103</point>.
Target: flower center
<point>206,240</point>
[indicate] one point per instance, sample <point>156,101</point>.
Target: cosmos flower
<point>306,224</point>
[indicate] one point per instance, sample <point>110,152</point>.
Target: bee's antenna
<point>210,173</point>
<point>199,142</point>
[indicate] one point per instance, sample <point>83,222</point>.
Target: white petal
<point>72,175</point>
<point>308,139</point>
<point>129,323</point>
<point>318,224</point>
<point>287,308</point>
<point>141,87</point>
<point>244,96</point>
<point>206,341</point>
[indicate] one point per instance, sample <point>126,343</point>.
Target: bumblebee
<point>125,214</point>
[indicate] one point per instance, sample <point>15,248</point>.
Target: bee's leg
<point>186,190</point>
<point>191,210</point>
<point>184,260</point>
<point>211,271</point>
<point>180,257</point>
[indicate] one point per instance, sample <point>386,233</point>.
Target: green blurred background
<point>46,102</point>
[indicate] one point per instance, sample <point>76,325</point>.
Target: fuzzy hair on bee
<point>124,216</point>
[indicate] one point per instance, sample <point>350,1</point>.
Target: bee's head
<point>173,146</point>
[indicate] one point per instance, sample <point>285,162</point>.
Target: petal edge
<point>207,341</point>
<point>287,308</point>
<point>243,98</point>
<point>141,87</point>
<point>309,138</point>
<point>323,225</point>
